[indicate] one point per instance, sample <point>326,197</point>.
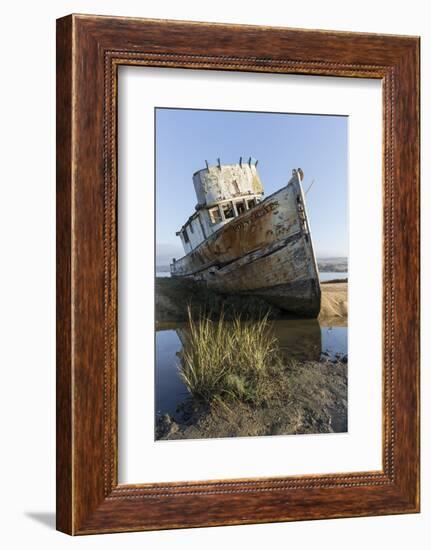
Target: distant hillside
<point>165,253</point>
<point>336,265</point>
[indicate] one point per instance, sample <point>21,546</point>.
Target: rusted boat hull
<point>266,252</point>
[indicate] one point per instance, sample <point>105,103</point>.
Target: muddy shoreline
<point>312,395</point>
<point>314,401</point>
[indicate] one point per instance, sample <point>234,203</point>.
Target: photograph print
<point>251,274</point>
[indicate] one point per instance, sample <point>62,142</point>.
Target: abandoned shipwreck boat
<point>240,243</point>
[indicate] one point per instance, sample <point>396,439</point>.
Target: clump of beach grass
<point>230,360</point>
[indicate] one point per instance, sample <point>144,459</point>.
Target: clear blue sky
<point>281,142</point>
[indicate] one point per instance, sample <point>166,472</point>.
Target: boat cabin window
<point>240,207</point>
<point>251,203</point>
<point>228,211</point>
<point>215,215</point>
<point>186,237</point>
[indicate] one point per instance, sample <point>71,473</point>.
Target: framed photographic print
<point>237,274</point>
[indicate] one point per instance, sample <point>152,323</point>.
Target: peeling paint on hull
<point>265,252</point>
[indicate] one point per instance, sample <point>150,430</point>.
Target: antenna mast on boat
<point>311,185</point>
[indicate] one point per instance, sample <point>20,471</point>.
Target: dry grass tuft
<point>226,361</point>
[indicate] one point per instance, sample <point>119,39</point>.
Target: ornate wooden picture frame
<point>89,51</point>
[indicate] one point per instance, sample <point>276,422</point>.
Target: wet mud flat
<point>309,386</point>
<point>312,400</point>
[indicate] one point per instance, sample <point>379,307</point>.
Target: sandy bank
<point>334,303</point>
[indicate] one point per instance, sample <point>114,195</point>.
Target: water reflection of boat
<point>298,339</point>
<point>240,243</point>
